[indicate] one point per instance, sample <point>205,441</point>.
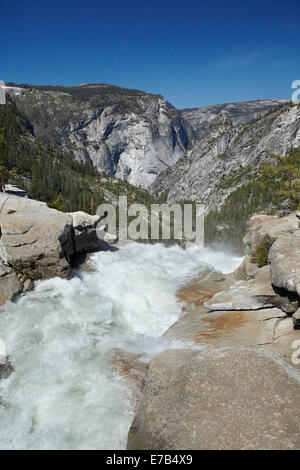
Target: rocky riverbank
<point>236,386</point>
<point>40,243</point>
<point>242,391</point>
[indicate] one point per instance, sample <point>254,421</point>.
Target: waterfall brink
<point>65,392</point>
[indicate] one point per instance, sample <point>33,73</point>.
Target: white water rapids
<point>65,393</point>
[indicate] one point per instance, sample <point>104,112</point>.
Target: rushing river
<point>65,392</point>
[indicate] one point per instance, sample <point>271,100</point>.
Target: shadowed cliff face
<point>126,133</point>
<point>228,151</point>
<point>133,147</point>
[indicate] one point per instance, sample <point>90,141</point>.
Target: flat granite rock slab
<point>203,288</point>
<point>227,328</point>
<point>253,294</point>
<point>218,399</point>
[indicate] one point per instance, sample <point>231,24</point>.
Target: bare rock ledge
<point>39,243</point>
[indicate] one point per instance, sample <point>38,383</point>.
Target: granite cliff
<point>126,133</point>
<point>229,151</point>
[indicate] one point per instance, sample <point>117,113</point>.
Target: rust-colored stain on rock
<point>225,323</point>
<point>129,366</point>
<point>204,298</point>
<point>193,296</point>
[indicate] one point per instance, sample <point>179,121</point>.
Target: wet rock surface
<point>131,367</point>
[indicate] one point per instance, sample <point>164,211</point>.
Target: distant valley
<point>109,141</point>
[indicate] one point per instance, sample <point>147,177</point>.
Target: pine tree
<point>3,170</point>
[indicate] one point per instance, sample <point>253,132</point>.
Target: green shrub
<point>261,253</point>
<point>57,204</point>
<point>222,156</point>
<point>267,189</point>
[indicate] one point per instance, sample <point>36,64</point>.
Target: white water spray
<point>64,393</point>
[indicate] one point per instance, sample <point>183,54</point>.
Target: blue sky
<point>194,53</point>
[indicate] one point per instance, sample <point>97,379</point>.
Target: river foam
<point>65,393</point>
